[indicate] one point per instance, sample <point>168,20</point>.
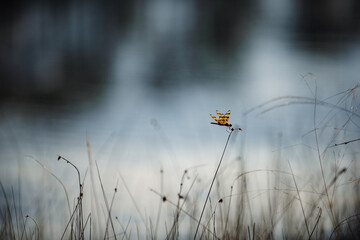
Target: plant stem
<point>212,183</point>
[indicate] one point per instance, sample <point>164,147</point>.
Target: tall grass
<point>317,200</point>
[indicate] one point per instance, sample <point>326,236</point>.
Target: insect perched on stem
<point>223,120</point>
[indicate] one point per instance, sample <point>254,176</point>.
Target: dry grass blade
<point>183,211</point>
<point>260,170</point>
<point>106,202</point>
<point>352,218</point>
<point>317,222</point>
<point>297,100</point>
<point>160,202</point>
<point>134,202</point>
<point>57,179</point>
<point>179,208</point>
<point>71,219</point>
<point>9,229</point>
<point>344,143</point>
<point>320,162</point>
<point>86,222</point>
<point>109,214</point>
<point>37,227</point>
<point>301,204</point>
<point>78,208</point>
<point>228,213</point>
<point>212,183</point>
<point>77,170</point>
<point>124,228</point>
<point>16,214</point>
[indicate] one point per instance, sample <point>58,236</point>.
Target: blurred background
<point>139,79</point>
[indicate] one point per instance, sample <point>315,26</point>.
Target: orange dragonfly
<point>223,119</point>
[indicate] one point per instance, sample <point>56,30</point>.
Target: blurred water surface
<point>138,79</point>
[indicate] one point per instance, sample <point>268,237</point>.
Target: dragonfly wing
<point>226,116</point>
<point>215,118</point>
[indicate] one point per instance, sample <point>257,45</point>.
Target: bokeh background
<point>138,80</point>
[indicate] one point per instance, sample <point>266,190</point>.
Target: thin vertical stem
<point>302,207</point>
<point>321,166</point>
<point>212,183</point>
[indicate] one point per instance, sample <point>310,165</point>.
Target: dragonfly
<point>223,119</point>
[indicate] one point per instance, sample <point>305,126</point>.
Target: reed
<point>315,198</point>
